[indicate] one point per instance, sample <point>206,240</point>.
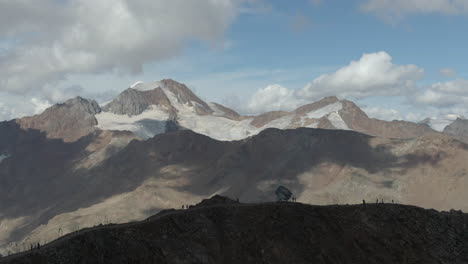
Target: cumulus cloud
<point>388,114</point>
<point>445,94</point>
<point>57,38</point>
<point>272,98</point>
<point>18,106</point>
<point>39,105</point>
<point>374,74</point>
<point>447,72</point>
<point>396,9</point>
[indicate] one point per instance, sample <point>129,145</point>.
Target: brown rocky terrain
<point>223,231</point>
<point>68,121</point>
<point>185,96</point>
<point>458,129</point>
<point>320,167</point>
<point>353,117</point>
<point>358,121</point>
<point>134,102</point>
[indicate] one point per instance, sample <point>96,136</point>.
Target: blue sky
<point>231,51</point>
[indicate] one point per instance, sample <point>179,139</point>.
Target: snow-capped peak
<point>141,86</point>
<point>136,84</point>
<point>439,123</point>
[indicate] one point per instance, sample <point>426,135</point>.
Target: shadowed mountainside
<point>223,231</point>
<point>320,166</point>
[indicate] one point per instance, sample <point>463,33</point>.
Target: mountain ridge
<point>147,109</point>
<point>220,230</point>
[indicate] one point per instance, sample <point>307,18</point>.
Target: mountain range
<point>158,145</point>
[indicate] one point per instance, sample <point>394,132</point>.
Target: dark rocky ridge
<point>223,231</point>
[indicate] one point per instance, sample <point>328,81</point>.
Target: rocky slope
<point>68,121</point>
<point>227,232</point>
<point>320,166</point>
<point>458,129</point>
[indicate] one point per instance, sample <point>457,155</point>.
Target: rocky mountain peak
<point>133,102</point>
<point>317,105</point>
<point>68,121</point>
<point>81,104</point>
<point>184,95</point>
<point>459,128</point>
<point>165,94</point>
<point>129,102</point>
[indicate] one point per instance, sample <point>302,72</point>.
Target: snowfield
<point>146,125</point>
<point>153,121</point>
<point>439,124</point>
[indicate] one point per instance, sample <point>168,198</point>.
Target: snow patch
<point>319,113</point>
<point>216,110</point>
<point>280,123</point>
<point>439,123</point>
<point>136,84</point>
<point>146,125</point>
<point>313,125</point>
<point>338,122</point>
<point>105,103</point>
<point>141,86</point>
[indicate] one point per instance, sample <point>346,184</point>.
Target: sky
<point>397,59</point>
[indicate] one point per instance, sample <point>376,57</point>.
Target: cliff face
<point>224,231</point>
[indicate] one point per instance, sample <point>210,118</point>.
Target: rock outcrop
<point>458,129</point>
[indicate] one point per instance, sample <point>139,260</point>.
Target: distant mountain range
<point>154,108</point>
<point>158,145</point>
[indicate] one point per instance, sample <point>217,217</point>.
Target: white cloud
<point>59,38</point>
<point>373,74</point>
<point>396,9</point>
<point>18,106</point>
<point>40,105</point>
<point>447,72</point>
<point>272,98</point>
<point>445,94</point>
<point>388,114</point>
